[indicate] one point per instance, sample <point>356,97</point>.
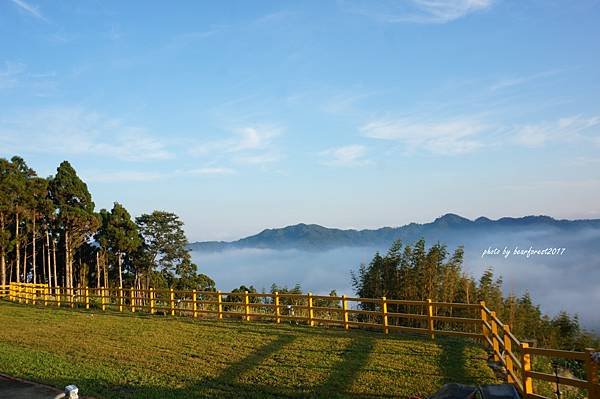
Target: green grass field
<point>112,355</point>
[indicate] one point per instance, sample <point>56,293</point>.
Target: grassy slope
<point>119,356</point>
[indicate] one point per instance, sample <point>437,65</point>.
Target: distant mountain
<point>450,229</point>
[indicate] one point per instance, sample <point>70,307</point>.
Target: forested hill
<point>450,229</point>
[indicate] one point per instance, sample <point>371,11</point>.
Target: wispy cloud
<point>9,75</point>
<point>30,9</point>
<point>454,136</point>
<point>520,80</point>
<point>418,11</point>
<point>249,144</point>
<point>73,130</point>
<point>350,155</point>
<point>129,176</point>
<point>567,129</point>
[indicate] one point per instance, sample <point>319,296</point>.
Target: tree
<point>118,234</point>
<point>165,247</point>
<point>76,218</point>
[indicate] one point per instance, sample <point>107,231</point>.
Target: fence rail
<point>428,317</point>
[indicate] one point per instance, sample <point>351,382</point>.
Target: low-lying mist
<point>570,281</point>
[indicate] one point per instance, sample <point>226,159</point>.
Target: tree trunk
<point>25,260</point>
<point>33,255</point>
<point>44,276</point>
<point>120,258</point>
<point>105,265</point>
<point>54,263</point>
<point>67,262</point>
<point>97,270</point>
<point>48,258</point>
<point>2,257</point>
<point>17,248</point>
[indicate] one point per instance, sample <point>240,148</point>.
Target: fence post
<point>246,307</point>
<point>496,344</point>
<point>526,363</point>
<point>311,313</point>
<point>33,294</point>
<point>57,297</point>
<point>384,315</point>
<point>194,304</point>
<point>172,301</point>
<point>591,371</point>
<point>484,329</point>
<point>71,297</point>
<point>151,300</point>
<point>87,297</point>
<point>46,295</point>
<point>508,350</point>
<point>277,310</point>
<point>121,299</point>
<point>131,299</point>
<point>345,311</point>
<point>430,319</point>
<point>219,305</point>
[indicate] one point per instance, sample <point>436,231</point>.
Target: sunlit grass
<point>112,355</point>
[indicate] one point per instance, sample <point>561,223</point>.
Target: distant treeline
<point>413,272</point>
<point>50,233</point>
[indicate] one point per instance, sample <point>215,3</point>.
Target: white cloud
<point>565,129</point>
<point>9,75</point>
<point>249,145</point>
<point>210,171</point>
<point>455,136</point>
<point>350,155</point>
<point>32,10</point>
<point>520,80</point>
<point>73,131</point>
<point>418,11</point>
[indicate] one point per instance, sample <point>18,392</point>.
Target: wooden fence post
<point>277,310</point>
<point>591,371</point>
<point>194,304</point>
<point>246,306</point>
<point>57,296</point>
<point>219,305</point>
<point>484,329</point>
<point>496,344</point>
<point>45,295</point>
<point>384,315</point>
<point>345,311</point>
<point>152,301</point>
<point>87,297</point>
<point>172,301</point>
<point>102,298</point>
<point>33,294</point>
<point>132,299</point>
<point>430,319</point>
<point>507,351</point>
<point>121,299</point>
<point>311,313</point>
<point>71,297</point>
<point>526,363</point>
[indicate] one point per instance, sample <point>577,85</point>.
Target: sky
<point>240,116</point>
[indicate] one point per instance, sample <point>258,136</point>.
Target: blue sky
<point>244,115</point>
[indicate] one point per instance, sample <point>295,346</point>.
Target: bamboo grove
<point>50,233</point>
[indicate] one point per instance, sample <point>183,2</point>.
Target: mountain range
<point>450,229</point>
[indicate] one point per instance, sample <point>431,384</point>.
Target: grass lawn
<point>112,355</point>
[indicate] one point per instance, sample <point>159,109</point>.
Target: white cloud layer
<point>248,145</point>
<point>418,11</point>
<point>30,9</point>
<point>455,136</point>
<point>76,131</point>
<point>350,155</point>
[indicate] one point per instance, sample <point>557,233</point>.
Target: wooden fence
<point>474,321</point>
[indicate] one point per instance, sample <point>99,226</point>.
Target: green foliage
<point>418,273</point>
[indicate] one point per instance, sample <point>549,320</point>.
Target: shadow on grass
<point>344,373</point>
